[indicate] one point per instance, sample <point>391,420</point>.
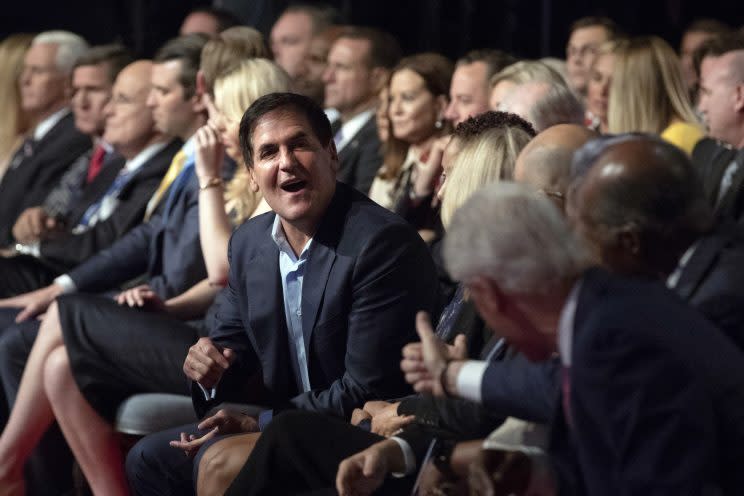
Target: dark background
<point>528,28</point>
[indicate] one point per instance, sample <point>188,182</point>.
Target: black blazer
<point>165,249</point>
<point>30,182</point>
<point>367,275</point>
<point>360,159</point>
<point>657,396</point>
<point>73,249</point>
<point>712,158</point>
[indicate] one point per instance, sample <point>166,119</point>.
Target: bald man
<point>545,163</point>
<point>544,104</point>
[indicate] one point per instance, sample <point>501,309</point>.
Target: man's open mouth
<point>293,185</point>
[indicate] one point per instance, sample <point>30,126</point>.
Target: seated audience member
<point>309,79</point>
<point>587,34</point>
<point>292,34</point>
<point>483,150</point>
<point>96,366</point>
<point>418,99</point>
<point>93,77</point>
<point>558,65</point>
<point>54,144</point>
<point>332,282</point>
<point>208,20</point>
<point>697,33</point>
<point>598,87</point>
<point>720,159</point>
<point>648,94</point>
<point>543,104</point>
<point>469,92</point>
<point>518,73</point>
<point>359,65</point>
<point>633,324</point>
<point>16,121</point>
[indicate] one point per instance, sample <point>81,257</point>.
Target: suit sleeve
<point>393,278</point>
<point>368,164</point>
<point>74,249</point>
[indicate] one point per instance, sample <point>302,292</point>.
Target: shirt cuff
<point>470,379</point>
<point>32,249</point>
<point>409,460</point>
<point>209,394</point>
<point>542,478</point>
<point>66,283</point>
<point>264,418</point>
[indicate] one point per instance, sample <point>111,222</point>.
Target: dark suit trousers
<point>22,274</point>
<point>299,453</point>
<point>49,469</point>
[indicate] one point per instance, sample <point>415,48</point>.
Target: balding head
<point>545,163</point>
<point>638,201</point>
<point>544,104</point>
<point>721,97</point>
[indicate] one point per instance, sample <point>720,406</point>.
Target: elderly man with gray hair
<point>544,104</point>
<point>55,143</point>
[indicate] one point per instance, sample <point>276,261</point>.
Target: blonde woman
<point>79,373</point>
<point>598,87</point>
<point>648,93</point>
<point>15,122</point>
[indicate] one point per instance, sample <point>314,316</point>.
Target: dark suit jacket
<point>31,181</point>
<point>712,158</point>
<point>73,249</point>
<point>166,249</point>
<point>360,159</point>
<point>367,275</point>
<point>657,396</point>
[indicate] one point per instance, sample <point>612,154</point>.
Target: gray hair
<point>69,47</point>
<point>544,104</point>
<point>516,238</point>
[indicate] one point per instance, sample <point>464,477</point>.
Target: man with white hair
<point>55,143</point>
<point>544,104</point>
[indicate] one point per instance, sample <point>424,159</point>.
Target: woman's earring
<point>438,124</point>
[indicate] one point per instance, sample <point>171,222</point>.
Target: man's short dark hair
<point>717,46</point>
<point>188,50</point>
<point>301,104</point>
<point>613,30</point>
<point>495,60</point>
<point>384,50</point>
<point>114,56</point>
<point>476,125</point>
<point>323,16</point>
<point>224,18</point>
<point>710,26</point>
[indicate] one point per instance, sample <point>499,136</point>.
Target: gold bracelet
<point>211,183</point>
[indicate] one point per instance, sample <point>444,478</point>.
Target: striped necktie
<point>179,160</point>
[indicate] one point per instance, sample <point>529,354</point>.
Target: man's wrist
<point>449,376</point>
<point>392,453</point>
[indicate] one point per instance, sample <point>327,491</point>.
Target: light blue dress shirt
<point>292,271</point>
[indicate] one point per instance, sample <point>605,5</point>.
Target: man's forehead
<point>588,34</point>
<point>278,125</point>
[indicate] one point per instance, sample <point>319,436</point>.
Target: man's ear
<point>628,239</point>
<point>441,104</point>
<point>334,155</point>
<point>379,77</point>
<point>739,97</point>
<point>490,296</point>
<point>252,180</point>
<point>197,99</point>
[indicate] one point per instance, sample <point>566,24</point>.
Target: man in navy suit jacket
<point>322,294</point>
<point>652,394</point>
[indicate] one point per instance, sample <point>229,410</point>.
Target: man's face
<point>295,173</point>
<point>91,91</point>
<point>468,92</point>
<point>43,85</point>
<point>290,41</point>
<point>173,113</point>
<point>309,81</point>
<point>129,123</point>
<point>348,76</point>
<point>690,42</point>
<point>580,53</point>
<point>717,100</point>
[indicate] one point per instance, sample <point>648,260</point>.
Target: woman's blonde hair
<point>526,71</point>
<point>234,92</point>
<point>488,158</point>
<point>647,91</point>
<point>15,120</point>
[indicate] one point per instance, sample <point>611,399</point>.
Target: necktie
<point>338,137</point>
<point>179,159</point>
<point>95,212</point>
<point>23,152</point>
<point>96,162</point>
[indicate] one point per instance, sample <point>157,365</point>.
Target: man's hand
<point>359,415</point>
<point>206,363</point>
<point>30,226</point>
<point>386,421</point>
<point>222,422</point>
<point>499,472</point>
<point>33,303</point>
<point>142,297</point>
<point>364,473</point>
<point>424,362</point>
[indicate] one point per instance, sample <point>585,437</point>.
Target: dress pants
<point>299,453</point>
<point>49,469</point>
<point>22,274</point>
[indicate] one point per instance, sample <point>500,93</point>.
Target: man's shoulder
<point>365,219</point>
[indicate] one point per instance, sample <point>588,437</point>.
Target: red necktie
<point>96,162</point>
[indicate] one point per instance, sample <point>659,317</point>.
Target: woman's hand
<point>210,153</point>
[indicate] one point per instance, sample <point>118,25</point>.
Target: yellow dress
<point>683,135</point>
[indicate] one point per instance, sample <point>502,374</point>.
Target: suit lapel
<point>698,265</point>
